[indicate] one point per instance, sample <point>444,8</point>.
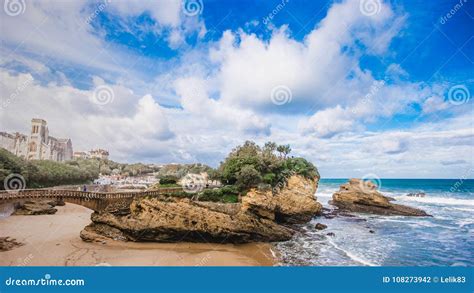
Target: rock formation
<point>7,243</point>
<point>320,226</point>
<point>362,196</point>
<point>37,207</point>
<point>296,202</point>
<point>167,219</point>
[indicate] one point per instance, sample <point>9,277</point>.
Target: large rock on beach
<point>169,219</point>
<point>37,207</point>
<point>172,220</point>
<point>362,196</point>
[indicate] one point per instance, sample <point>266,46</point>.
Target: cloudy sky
<point>357,87</point>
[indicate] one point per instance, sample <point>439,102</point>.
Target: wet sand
<point>53,240</point>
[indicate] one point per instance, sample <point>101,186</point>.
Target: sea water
<point>446,239</point>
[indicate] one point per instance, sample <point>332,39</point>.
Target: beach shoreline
<point>53,240</point>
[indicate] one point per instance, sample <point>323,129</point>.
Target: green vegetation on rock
<point>250,166</point>
<point>228,194</point>
<point>42,173</point>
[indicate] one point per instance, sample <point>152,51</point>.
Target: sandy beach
<point>53,240</point>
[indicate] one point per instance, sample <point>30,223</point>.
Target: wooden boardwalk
<point>96,201</point>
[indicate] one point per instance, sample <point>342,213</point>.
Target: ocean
<point>446,239</point>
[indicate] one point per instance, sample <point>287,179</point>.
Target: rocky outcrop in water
<point>166,219</point>
<point>362,196</point>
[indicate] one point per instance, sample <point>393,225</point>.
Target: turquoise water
<point>446,239</point>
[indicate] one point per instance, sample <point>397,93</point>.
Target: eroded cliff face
<point>297,203</point>
<point>362,196</point>
<point>166,219</point>
<point>294,203</point>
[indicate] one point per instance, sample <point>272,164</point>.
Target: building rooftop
<point>38,120</point>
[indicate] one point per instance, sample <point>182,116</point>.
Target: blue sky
<point>358,86</point>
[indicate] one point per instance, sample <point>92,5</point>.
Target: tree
<point>284,150</point>
<point>248,165</point>
<point>269,147</point>
<point>248,177</point>
<point>214,175</point>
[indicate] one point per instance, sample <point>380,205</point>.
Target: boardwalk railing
<point>59,193</point>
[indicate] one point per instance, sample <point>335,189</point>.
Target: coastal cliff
<point>293,204</point>
<point>258,217</point>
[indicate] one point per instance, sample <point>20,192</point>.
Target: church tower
<point>38,139</point>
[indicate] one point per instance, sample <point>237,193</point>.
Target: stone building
<point>38,145</point>
<point>92,154</point>
<point>81,155</point>
<point>99,154</point>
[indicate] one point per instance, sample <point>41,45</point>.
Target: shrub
<point>269,178</point>
<point>247,177</point>
<point>168,180</point>
<point>228,194</point>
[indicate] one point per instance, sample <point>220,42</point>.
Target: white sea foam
<point>465,222</point>
<point>353,256</point>
<point>438,200</point>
